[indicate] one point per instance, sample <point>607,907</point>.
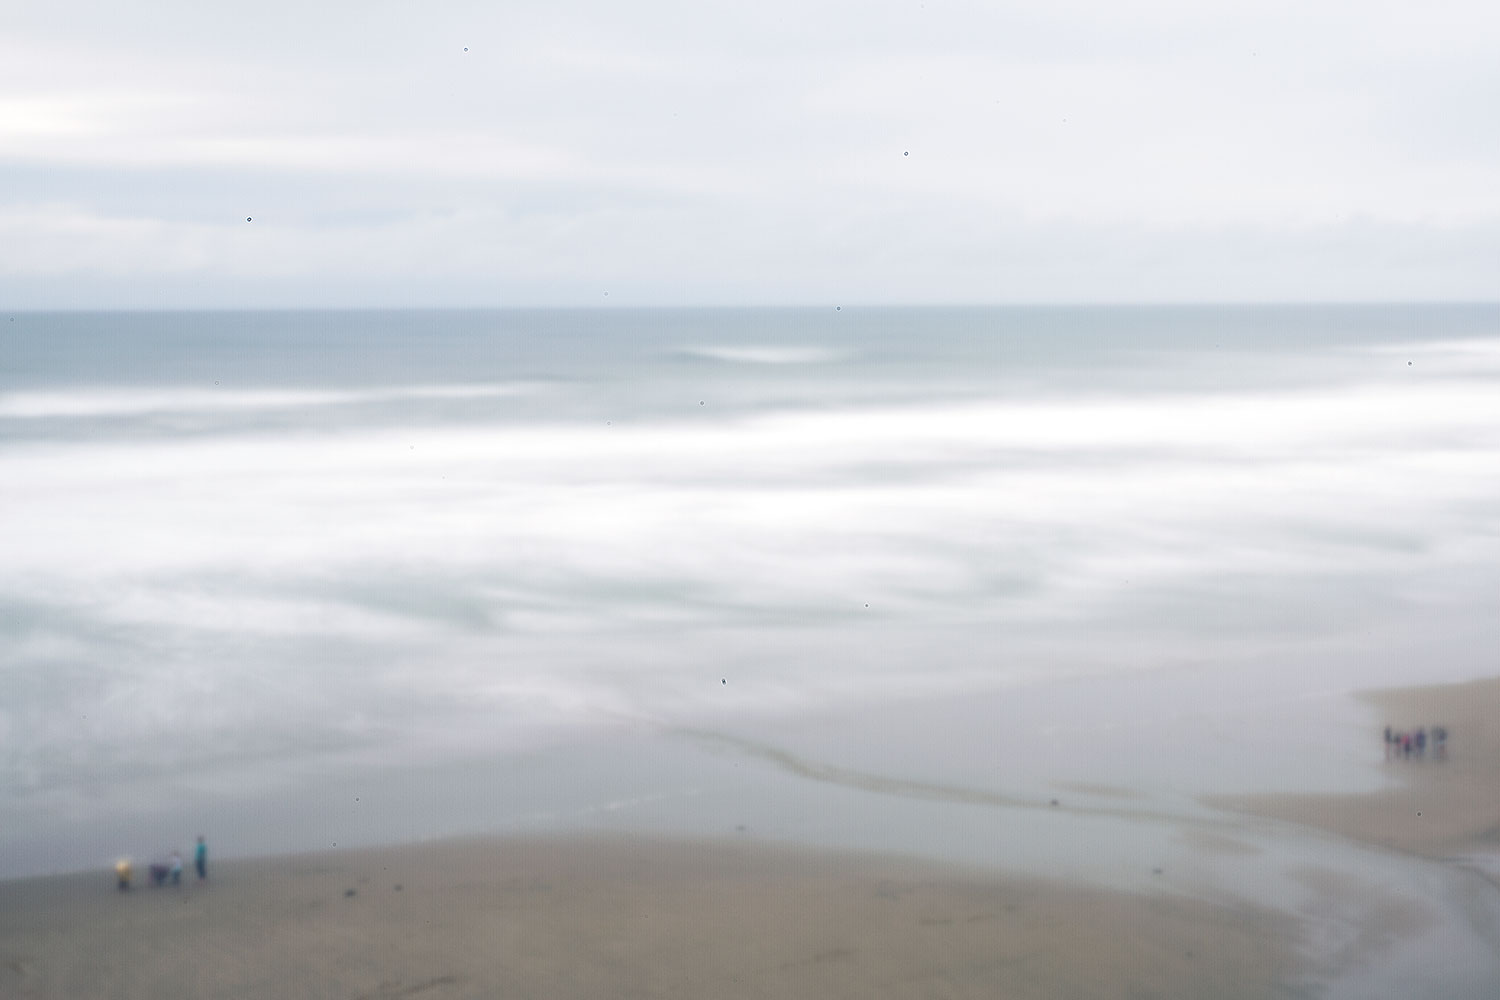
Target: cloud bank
<point>580,153</point>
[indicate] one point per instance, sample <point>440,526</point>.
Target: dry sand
<point>621,917</point>
<point>1439,808</point>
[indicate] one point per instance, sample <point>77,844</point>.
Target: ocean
<point>318,578</point>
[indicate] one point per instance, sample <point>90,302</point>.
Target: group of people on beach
<point>162,872</point>
<point>1408,743</point>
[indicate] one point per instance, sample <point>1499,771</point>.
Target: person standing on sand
<point>122,873</point>
<point>176,869</point>
<point>200,859</point>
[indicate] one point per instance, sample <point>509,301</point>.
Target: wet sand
<point>1438,808</point>
<point>625,917</point>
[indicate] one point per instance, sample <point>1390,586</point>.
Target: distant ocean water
<point>237,547</point>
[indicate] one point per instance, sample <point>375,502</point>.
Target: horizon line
<point>787,307</point>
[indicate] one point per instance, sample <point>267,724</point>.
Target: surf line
<point>880,784</point>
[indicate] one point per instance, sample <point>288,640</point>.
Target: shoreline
<point>1327,901</point>
<point>591,915</point>
<point>1439,809</point>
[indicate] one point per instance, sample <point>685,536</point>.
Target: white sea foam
<point>97,402</point>
<point>1022,514</point>
<point>766,354</point>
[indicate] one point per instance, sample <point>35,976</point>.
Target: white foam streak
<point>603,498</point>
<point>139,402</point>
<point>763,354</point>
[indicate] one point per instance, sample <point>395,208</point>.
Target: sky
<point>177,154</point>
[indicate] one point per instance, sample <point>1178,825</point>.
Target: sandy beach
<point>621,914</point>
<point>623,917</point>
<point>1435,807</point>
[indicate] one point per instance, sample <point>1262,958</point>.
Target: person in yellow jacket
<point>122,873</point>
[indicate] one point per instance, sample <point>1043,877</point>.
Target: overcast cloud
<point>680,153</point>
